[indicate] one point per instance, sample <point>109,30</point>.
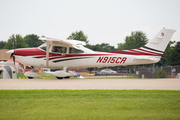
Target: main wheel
<point>59,77</point>
<point>30,77</point>
<point>67,77</point>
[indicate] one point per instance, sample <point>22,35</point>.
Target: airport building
<point>3,55</point>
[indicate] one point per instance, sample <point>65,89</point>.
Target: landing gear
<point>65,73</point>
<point>59,77</point>
<point>31,74</point>
<point>67,77</point>
<point>63,77</point>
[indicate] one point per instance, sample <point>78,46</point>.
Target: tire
<point>59,77</point>
<point>30,77</point>
<point>67,77</point>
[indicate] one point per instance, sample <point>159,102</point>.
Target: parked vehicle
<point>107,71</point>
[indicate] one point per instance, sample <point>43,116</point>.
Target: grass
<point>90,104</point>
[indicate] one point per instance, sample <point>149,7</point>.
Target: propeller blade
<point>12,54</point>
<point>14,60</point>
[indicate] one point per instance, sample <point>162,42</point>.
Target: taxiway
<point>79,84</point>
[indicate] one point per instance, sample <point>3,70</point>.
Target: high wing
<point>67,42</point>
<point>72,43</point>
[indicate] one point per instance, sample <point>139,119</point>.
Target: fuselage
<point>37,57</point>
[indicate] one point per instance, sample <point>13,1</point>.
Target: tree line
<point>137,39</point>
<point>21,42</point>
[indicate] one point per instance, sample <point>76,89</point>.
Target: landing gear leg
<point>66,70</point>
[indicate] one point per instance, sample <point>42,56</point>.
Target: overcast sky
<point>108,21</point>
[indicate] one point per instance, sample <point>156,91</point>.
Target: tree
<point>174,58</point>
<point>160,74</point>
<point>32,40</point>
<point>135,40</point>
<point>18,40</point>
<point>78,36</point>
<point>120,46</point>
<point>165,59</point>
<point>2,44</point>
<point>103,47</point>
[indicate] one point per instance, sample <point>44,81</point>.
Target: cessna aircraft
<point>67,54</point>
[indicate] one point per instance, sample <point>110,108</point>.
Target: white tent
<point>7,72</point>
<point>17,66</point>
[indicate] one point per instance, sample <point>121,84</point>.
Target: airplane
<point>67,54</point>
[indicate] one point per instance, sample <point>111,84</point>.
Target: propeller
<point>12,53</point>
<point>12,56</point>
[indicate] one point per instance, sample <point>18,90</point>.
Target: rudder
<point>159,43</point>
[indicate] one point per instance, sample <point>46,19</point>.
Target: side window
<point>74,51</point>
<point>59,49</point>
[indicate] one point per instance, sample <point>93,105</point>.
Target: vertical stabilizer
<point>160,41</point>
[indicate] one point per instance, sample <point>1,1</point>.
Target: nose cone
<point>10,51</point>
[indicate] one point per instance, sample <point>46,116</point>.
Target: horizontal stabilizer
<point>147,58</point>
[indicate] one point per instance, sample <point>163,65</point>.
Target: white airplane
<point>67,54</point>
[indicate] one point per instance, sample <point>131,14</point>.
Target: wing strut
<point>47,53</point>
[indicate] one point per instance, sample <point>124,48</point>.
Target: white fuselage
<point>37,58</point>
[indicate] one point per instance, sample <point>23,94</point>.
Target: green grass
<point>90,104</point>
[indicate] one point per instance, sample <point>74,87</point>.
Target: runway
<point>84,84</point>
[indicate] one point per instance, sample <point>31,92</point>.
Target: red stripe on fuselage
<point>147,52</point>
<point>29,52</point>
<point>134,52</point>
<point>38,53</point>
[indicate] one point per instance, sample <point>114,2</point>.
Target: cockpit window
<point>59,49</point>
<point>43,47</point>
<point>74,51</point>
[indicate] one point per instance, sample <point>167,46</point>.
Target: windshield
<point>43,47</point>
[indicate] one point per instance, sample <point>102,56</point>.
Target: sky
<point>103,21</point>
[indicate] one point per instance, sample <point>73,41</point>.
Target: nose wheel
<point>30,77</point>
<point>31,74</point>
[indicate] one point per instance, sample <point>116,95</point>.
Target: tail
<point>159,43</point>
<point>155,47</point>
<point>153,50</point>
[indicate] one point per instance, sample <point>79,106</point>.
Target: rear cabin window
<point>74,51</point>
<point>59,49</point>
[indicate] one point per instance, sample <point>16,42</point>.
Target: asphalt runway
<point>84,84</point>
